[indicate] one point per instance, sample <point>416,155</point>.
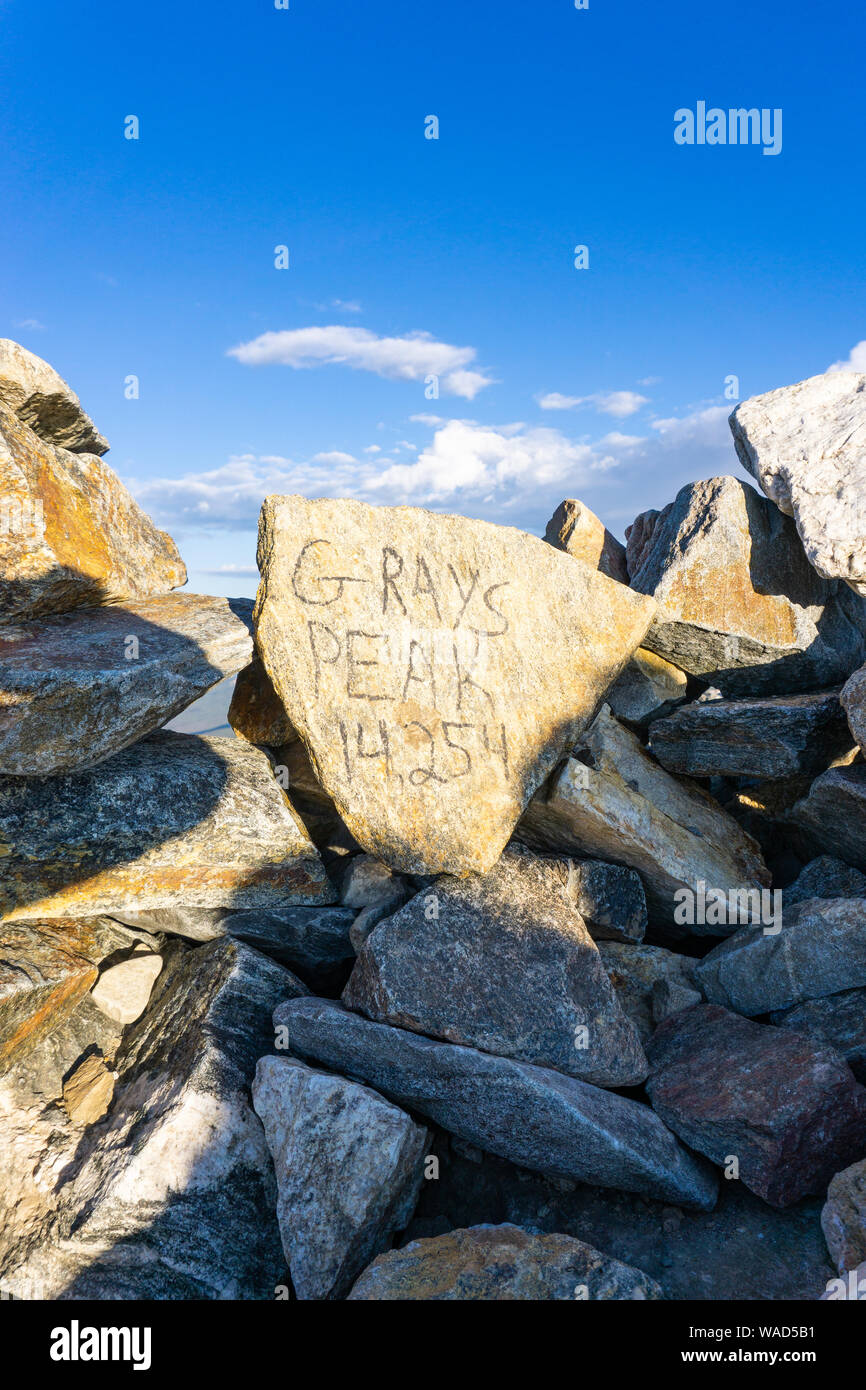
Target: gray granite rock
<point>826,877</point>
<point>832,815</point>
<point>648,688</point>
<point>853,698</point>
<point>835,1020</point>
<point>610,899</point>
<point>41,398</point>
<point>637,972</point>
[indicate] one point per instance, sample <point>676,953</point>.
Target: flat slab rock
<point>75,536</point>
<point>41,398</point>
<point>536,1117</point>
<point>174,820</point>
<point>790,1112</point>
<point>780,736</point>
<point>495,1263</point>
<point>172,1194</point>
<point>612,800</point>
<point>820,950</point>
<point>739,605</point>
<point>843,1219</point>
<point>446,965</point>
<point>349,1166</point>
<point>806,446</point>
<point>435,667</point>
<point>836,1020</point>
<point>77,687</point>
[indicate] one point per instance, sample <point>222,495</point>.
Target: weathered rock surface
<point>780,736</point>
<point>71,535</point>
<point>578,531</point>
<point>835,1020</point>
<point>435,667</point>
<point>349,1166</point>
<point>806,445</point>
<point>843,1219</point>
<point>172,1195</point>
<point>448,962</point>
<point>173,820</point>
<point>826,877</point>
<point>45,969</point>
<point>853,700</point>
<point>670,997</point>
<point>832,815</point>
<point>739,604</point>
<point>820,950</point>
<point>255,711</point>
<point>637,972</point>
<point>41,398</point>
<point>790,1112</point>
<point>123,990</point>
<point>496,1263</point>
<point>77,687</point>
<point>534,1116</point>
<point>87,1092</point>
<point>613,800</point>
<point>609,898</point>
<point>648,688</point>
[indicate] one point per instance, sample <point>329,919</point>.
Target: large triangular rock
<point>435,667</point>
<point>806,445</point>
<point>40,397</point>
<point>77,687</point>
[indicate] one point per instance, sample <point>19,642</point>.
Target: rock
<point>255,711</point>
<point>536,1117</point>
<point>87,1092</point>
<point>739,604</point>
<point>820,950</point>
<point>836,1020</point>
<point>43,974</point>
<point>853,700</point>
<point>172,1194</point>
<point>495,1263</point>
<point>789,1112</point>
<point>435,667</point>
<point>40,397</point>
<point>123,990</point>
<point>613,800</point>
<point>637,972</point>
<point>648,688</point>
<point>832,815</point>
<point>349,1167</point>
<point>367,882</point>
<point>609,898</point>
<point>826,877</point>
<point>806,446</point>
<point>77,687</point>
<point>41,1070</point>
<point>446,965</point>
<point>71,535</point>
<point>578,531</point>
<point>173,820</point>
<point>781,736</point>
<point>843,1219</point>
<point>670,997</point>
<point>851,1286</point>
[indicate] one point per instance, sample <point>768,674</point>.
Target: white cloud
<point>372,449</point>
<point>412,357</point>
<point>33,324</point>
<point>237,571</point>
<point>618,403</point>
<point>856,361</point>
<point>334,456</point>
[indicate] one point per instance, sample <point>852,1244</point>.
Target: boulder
<point>40,397</point>
<point>77,687</point>
<point>788,1112</point>
<point>638,972</point>
<point>88,1090</point>
<point>832,815</point>
<point>487,1264</point>
<point>614,801</point>
<point>835,1020</point>
<point>255,711</point>
<point>348,1164</point>
<point>71,535</point>
<point>174,820</point>
<point>435,667</point>
<point>806,446</point>
<point>578,531</point>
<point>536,1117</point>
<point>843,1219</point>
<point>123,990</point>
<point>648,688</point>
<point>826,877</point>
<point>739,605</point>
<point>45,969</point>
<point>609,898</point>
<point>853,698</point>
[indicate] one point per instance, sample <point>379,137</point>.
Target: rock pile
<point>515,946</point>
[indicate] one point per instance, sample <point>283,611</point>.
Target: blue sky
<point>306,128</point>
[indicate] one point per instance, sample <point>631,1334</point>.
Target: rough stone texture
<point>40,397</point>
<point>578,531</point>
<point>44,972</point>
<point>71,535</point>
<point>500,1263</point>
<point>836,1020</point>
<point>447,965</point>
<point>255,711</point>
<point>349,1166</point>
<point>87,1092</point>
<point>536,1117</point>
<point>826,877</point>
<point>173,820</point>
<point>843,1219</point>
<point>609,898</point>
<point>669,998</point>
<point>367,882</point>
<point>435,667</point>
<point>172,1195</point>
<point>613,800</point>
<point>648,688</point>
<point>636,972</point>
<point>739,604</point>
<point>832,815</point>
<point>806,445</point>
<point>123,990</point>
<point>790,1112</point>
<point>77,687</point>
<point>853,699</point>
<point>781,736</point>
<point>820,950</point>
